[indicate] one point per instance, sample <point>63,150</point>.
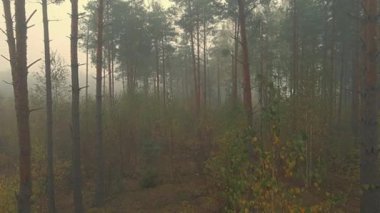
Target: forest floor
<point>185,189</point>
<point>186,196</point>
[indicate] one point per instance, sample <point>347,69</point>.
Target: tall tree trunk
<point>109,50</point>
<point>109,72</point>
<point>247,95</point>
<point>332,82</point>
<point>195,75</point>
<point>87,62</point>
<point>341,87</point>
<point>104,82</point>
<point>295,66</point>
<point>163,71</point>
<point>356,76</point>
<point>19,69</point>
<point>369,175</point>
<point>261,71</point>
<point>49,111</point>
<point>99,188</point>
<point>204,59</point>
<point>123,79</point>
<point>22,108</point>
<point>198,58</point>
<point>295,48</point>
<point>235,62</point>
<point>218,80</point>
<point>157,68</point>
<point>75,128</point>
<point>113,69</point>
<point>194,64</point>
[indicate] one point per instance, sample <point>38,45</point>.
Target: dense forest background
<point>198,106</point>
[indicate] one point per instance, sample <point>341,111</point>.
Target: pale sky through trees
<point>59,32</point>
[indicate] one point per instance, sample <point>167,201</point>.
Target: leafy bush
<point>268,180</point>
<point>8,189</point>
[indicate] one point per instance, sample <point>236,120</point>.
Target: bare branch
<point>5,58</point>
<point>33,63</point>
<point>5,33</point>
<point>83,88</point>
<point>30,17</point>
<point>8,83</point>
<point>35,109</point>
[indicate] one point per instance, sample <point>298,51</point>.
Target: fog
<point>191,106</point>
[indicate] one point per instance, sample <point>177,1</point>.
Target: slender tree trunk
<point>49,111</point>
<point>123,80</point>
<point>295,66</point>
<point>204,59</point>
<point>341,87</point>
<point>87,62</point>
<point>263,68</point>
<point>247,95</point>
<point>369,175</point>
<point>196,91</point>
<point>198,59</point>
<point>235,62</point>
<point>99,187</point>
<point>19,69</point>
<point>332,81</point>
<point>157,69</point>
<point>109,72</point>
<point>22,108</point>
<point>163,71</point>
<point>146,86</point>
<point>295,47</point>
<point>113,69</point>
<point>218,80</point>
<point>75,128</point>
<point>195,72</point>
<point>109,49</point>
<point>356,80</point>
<point>104,82</point>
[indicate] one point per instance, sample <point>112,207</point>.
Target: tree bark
<point>22,108</point>
<point>99,188</point>
<point>75,128</point>
<point>198,59</point>
<point>369,175</point>
<point>49,111</point>
<point>19,69</point>
<point>235,62</point>
<point>204,59</point>
<point>87,62</point>
<point>163,71</point>
<point>218,81</point>
<point>195,73</point>
<point>157,69</point>
<point>247,95</point>
<point>295,67</point>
